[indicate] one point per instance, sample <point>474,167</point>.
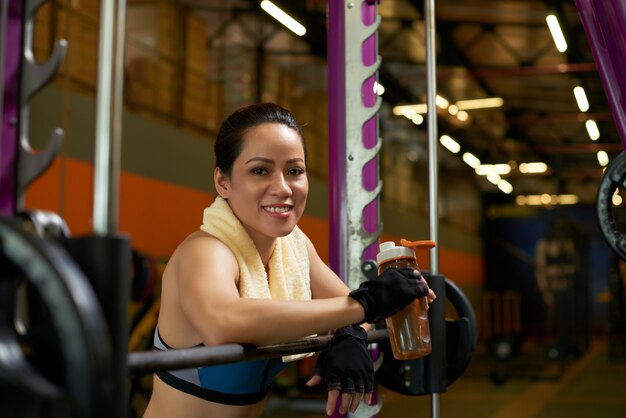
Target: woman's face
<point>268,185</point>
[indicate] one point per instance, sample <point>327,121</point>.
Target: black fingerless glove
<point>346,364</point>
<point>390,292</point>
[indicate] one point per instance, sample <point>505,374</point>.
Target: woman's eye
<point>296,171</point>
<point>259,171</point>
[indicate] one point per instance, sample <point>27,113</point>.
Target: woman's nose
<point>280,185</point>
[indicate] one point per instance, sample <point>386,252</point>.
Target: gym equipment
<point>35,76</point>
<point>423,376</point>
<point>151,361</point>
<point>74,313</point>
<point>613,178</point>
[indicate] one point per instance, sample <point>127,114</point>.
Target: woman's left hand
<point>347,366</point>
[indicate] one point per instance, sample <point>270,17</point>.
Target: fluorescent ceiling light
<point>486,169</point>
<point>537,167</point>
<point>483,169</point>
<point>441,102</point>
<point>471,160</point>
<point>546,199</point>
<point>505,186</point>
<point>568,199</point>
<point>592,129</point>
<point>412,109</point>
<point>417,119</point>
<point>502,168</point>
<point>493,177</point>
<point>407,112</point>
<point>450,144</point>
<point>278,14</point>
<point>557,34</point>
<point>603,158</point>
<point>462,115</point>
<point>480,103</point>
<point>457,109</point>
<point>581,98</point>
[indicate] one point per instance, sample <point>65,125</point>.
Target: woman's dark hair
<point>230,137</point>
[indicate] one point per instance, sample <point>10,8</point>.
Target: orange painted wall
<point>158,215</point>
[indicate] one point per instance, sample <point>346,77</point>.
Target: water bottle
<point>409,332</point>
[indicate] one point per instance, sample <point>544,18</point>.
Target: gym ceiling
<point>485,49</point>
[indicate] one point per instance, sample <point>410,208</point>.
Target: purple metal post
<point>10,60</point>
<point>337,138</point>
<point>605,26</point>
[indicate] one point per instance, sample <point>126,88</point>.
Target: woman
<point>250,276</point>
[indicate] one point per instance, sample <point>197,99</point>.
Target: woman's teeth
<point>274,209</point>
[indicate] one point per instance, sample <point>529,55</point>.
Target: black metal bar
<point>105,261</point>
<point>142,362</point>
<point>435,363</point>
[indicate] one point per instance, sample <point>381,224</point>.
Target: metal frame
<point>351,235</point>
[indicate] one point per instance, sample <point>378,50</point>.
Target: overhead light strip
<point>454,109</point>
<point>532,168</point>
<point>603,158</point>
<point>486,103</point>
<point>592,129</point>
<point>471,160</point>
<point>546,199</point>
<point>505,186</point>
<point>557,33</point>
<point>450,144</point>
<point>486,169</point>
<point>581,98</point>
<point>278,14</point>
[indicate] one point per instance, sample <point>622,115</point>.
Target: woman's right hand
<point>348,369</point>
<point>390,292</point>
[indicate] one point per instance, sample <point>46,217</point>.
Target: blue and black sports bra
<point>243,383</point>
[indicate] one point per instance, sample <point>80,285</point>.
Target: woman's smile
<point>278,211</point>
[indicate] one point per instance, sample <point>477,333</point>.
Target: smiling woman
<point>250,268</point>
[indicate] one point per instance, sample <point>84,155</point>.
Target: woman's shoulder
<point>201,255</point>
<point>204,245</point>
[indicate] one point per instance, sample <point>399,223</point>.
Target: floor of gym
<point>592,385</point>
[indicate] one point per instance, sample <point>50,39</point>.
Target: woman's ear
<point>222,184</point>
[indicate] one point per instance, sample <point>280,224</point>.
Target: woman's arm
<point>207,274</point>
<point>324,282</point>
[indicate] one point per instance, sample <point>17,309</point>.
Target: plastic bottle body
<point>409,331</point>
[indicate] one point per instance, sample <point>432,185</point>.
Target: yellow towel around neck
<point>288,266</point>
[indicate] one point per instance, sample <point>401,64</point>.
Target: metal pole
<point>142,362</point>
<point>337,138</point>
<point>431,84</point>
<point>116,122</point>
<point>109,278</point>
<point>10,59</point>
<point>102,149</point>
<point>4,18</point>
